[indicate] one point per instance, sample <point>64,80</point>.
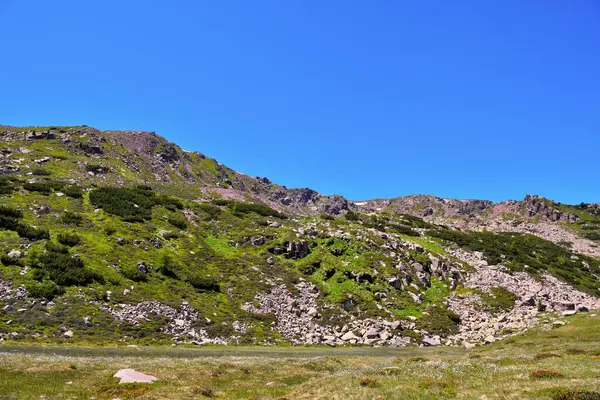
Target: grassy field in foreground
<point>562,363</point>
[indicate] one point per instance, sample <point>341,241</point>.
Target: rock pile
<point>8,293</point>
<point>298,316</point>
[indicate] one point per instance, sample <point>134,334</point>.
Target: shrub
<point>45,289</point>
<point>545,374</point>
<point>56,248</point>
<point>39,187</point>
<point>24,231</point>
<point>71,218</point>
<point>212,210</point>
<point>73,191</point>
<point>178,221</point>
<point>134,274</point>
<point>41,172</point>
<point>10,212</point>
<point>131,204</point>
<point>434,385</point>
<point>6,186</point>
<point>168,267</point>
<point>239,208</point>
<point>68,239</point>
<point>65,270</point>
<point>204,283</point>
<point>368,382</point>
<point>440,321</point>
<point>500,299</point>
<point>577,395</point>
<point>7,261</point>
<point>351,216</point>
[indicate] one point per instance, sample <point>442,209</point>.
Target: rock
<point>12,335</point>
<point>143,268</point>
<point>121,240</point>
<point>298,249</point>
<point>489,339</point>
<point>349,336</point>
<point>14,254</point>
<point>68,334</point>
<point>258,241</point>
<point>8,307</point>
<point>558,323</point>
<point>569,313</point>
<point>133,376</point>
<point>371,333</point>
<point>87,321</point>
<point>468,345</point>
<point>431,341</point>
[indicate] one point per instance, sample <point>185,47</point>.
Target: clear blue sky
<point>467,99</point>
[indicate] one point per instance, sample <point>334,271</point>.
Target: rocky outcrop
<point>546,292</point>
<point>298,320</point>
<point>179,320</point>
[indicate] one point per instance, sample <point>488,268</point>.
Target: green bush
<point>212,210</point>
<point>131,204</point>
<point>351,216</point>
<point>6,260</point>
<point>10,212</point>
<point>204,283</point>
<point>134,274</point>
<point>39,187</point>
<point>6,186</point>
<point>63,269</point>
<point>178,221</point>
<point>41,172</point>
<point>499,300</point>
<point>71,218</point>
<point>168,267</point>
<point>24,231</point>
<point>45,289</point>
<point>73,191</point>
<point>68,239</point>
<point>440,321</point>
<point>239,208</point>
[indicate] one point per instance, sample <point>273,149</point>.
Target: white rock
<point>133,376</point>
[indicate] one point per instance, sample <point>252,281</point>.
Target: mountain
<point>122,236</point>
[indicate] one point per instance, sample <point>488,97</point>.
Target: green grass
<point>505,370</point>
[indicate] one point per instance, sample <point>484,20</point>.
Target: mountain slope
<point>122,236</point>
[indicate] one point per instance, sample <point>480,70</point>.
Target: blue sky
<point>467,99</point>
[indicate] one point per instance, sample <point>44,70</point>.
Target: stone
<point>371,333</point>
<point>431,341</point>
<point>489,339</point>
<point>468,345</point>
<point>349,336</point>
<point>8,307</point>
<point>569,313</point>
<point>133,376</point>
<point>14,254</point>
<point>68,334</point>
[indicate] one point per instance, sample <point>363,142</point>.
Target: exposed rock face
<point>478,325</point>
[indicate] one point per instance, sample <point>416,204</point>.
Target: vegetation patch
<point>131,204</point>
<point>545,374</point>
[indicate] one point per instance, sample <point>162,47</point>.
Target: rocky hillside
<point>121,236</point>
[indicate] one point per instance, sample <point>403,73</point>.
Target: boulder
<point>133,376</point>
